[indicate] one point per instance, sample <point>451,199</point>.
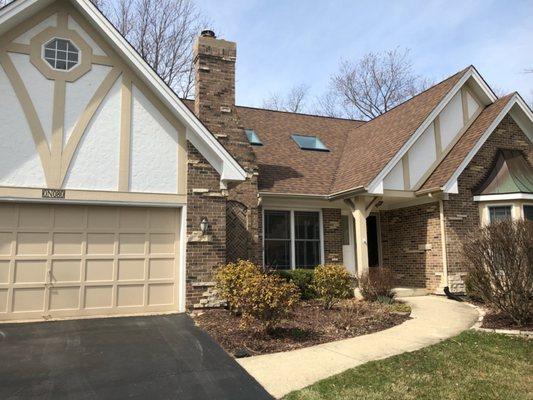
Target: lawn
<point>470,366</point>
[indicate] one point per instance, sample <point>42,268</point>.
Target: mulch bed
<point>309,325</point>
<point>495,320</point>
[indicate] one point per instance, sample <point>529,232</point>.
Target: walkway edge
<point>433,319</point>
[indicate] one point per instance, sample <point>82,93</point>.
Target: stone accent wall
<point>204,252</point>
<point>460,211</point>
<point>411,245</point>
<point>331,218</point>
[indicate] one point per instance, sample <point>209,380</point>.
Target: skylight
<point>253,138</point>
<point>309,142</point>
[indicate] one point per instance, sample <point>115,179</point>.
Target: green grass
<point>470,366</point>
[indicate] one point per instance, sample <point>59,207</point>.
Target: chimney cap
<point>208,33</point>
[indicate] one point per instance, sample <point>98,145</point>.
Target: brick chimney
<point>214,105</point>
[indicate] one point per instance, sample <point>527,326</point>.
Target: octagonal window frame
<point>53,61</point>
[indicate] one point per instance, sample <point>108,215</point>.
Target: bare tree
<point>372,85</point>
<point>163,32</point>
<point>293,101</point>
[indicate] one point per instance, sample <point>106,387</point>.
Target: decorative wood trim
<point>103,60</point>
<point>438,137</point>
<point>464,102</point>
<point>58,122</point>
<point>62,20</point>
<point>125,134</point>
<point>84,120</point>
<point>406,177</point>
<point>28,108</point>
<point>182,163</point>
<point>18,48</point>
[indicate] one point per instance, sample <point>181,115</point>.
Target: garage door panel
<point>67,243</point>
<point>4,271</point>
<point>30,271</point>
<point>130,295</point>
<point>66,271</point>
<point>160,294</point>
<point>99,270</point>
<point>6,238</point>
<point>32,243</point>
<point>100,243</point>
<point>64,298</point>
<point>131,269</point>
<point>28,299</point>
<point>3,300</point>
<point>68,261</point>
<point>161,269</point>
<point>132,243</point>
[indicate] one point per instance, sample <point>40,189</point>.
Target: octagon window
<point>61,54</point>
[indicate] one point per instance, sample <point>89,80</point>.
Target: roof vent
<point>208,33</point>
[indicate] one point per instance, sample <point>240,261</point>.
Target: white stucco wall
<point>95,165</point>
<point>20,164</point>
<point>422,154</point>
<point>472,104</point>
<point>451,120</point>
<point>394,179</point>
<point>78,95</point>
<point>40,89</point>
<point>154,148</point>
<point>72,24</point>
<point>26,36</point>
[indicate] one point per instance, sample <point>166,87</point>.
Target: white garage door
<point>70,261</point>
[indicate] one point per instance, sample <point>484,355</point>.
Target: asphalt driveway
<point>158,357</point>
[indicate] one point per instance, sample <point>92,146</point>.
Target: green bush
<point>378,284</point>
<point>267,298</point>
<point>332,283</point>
<point>303,279</point>
<point>230,280</point>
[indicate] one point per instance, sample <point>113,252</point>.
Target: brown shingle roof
<point>283,166</point>
<point>370,147</point>
<point>460,150</point>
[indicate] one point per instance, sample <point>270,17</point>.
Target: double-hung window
<point>292,239</point>
<point>499,213</point>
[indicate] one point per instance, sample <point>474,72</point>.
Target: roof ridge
<point>300,113</point>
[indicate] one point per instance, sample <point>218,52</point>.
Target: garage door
<point>70,261</point>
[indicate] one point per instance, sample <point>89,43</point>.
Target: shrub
<point>470,289</point>
<point>230,280</point>
<point>499,258</point>
<point>303,279</point>
<point>379,283</point>
<point>332,283</point>
<point>267,298</point>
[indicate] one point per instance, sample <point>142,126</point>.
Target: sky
<point>282,43</point>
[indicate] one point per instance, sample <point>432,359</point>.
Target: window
<point>61,54</point>
<point>253,138</point>
<point>288,231</point>
<point>278,239</point>
<point>528,212</point>
<point>498,213</point>
<point>307,239</point>
<point>309,143</point>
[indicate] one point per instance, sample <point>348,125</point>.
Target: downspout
<point>443,243</point>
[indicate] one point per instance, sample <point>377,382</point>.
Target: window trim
<point>66,70</point>
<point>507,205</point>
<point>291,211</point>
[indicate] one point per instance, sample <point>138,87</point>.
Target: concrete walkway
<point>433,319</point>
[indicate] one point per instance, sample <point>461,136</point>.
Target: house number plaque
<point>53,194</point>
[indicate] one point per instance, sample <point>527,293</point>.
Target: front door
<point>372,240</point>
<point>348,250</point>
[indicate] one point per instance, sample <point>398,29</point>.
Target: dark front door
<point>372,239</point>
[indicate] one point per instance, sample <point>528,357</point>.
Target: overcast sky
<point>281,43</point>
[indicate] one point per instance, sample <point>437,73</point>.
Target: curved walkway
<point>433,319</point>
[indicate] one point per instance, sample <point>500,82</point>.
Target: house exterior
<point>118,198</point>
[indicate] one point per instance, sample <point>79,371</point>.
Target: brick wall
<point>331,218</point>
<point>461,212</point>
<point>411,245</point>
<point>204,199</point>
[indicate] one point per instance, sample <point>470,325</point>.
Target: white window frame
<point>517,210</point>
<point>43,52</point>
<point>291,210</point>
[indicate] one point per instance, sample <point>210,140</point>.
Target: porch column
<point>361,246</point>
